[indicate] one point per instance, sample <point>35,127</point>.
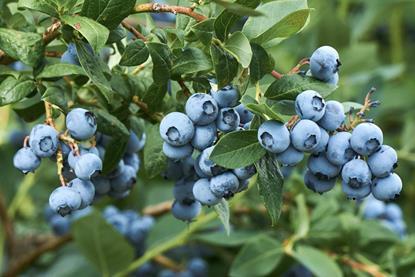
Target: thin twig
<point>167,263</point>
<point>133,30</point>
<point>144,107</point>
<point>158,209</point>
<point>291,122</point>
<point>276,74</point>
<point>370,269</point>
<point>163,8</point>
<point>297,68</point>
<point>367,105</point>
<point>184,88</point>
<point>7,226</point>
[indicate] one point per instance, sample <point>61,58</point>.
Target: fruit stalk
<point>133,30</point>
<point>158,8</point>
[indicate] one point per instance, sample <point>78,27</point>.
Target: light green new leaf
<point>222,209</point>
<point>264,111</point>
<point>49,7</point>
<point>238,46</point>
<point>13,90</point>
<point>237,8</point>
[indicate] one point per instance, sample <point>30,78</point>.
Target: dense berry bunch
<point>200,181</point>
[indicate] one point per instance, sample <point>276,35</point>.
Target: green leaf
<point>154,96</point>
<point>134,54</point>
<point>268,27</point>
<point>289,86</point>
<point>319,263</point>
<point>29,109</point>
<point>348,106</point>
<point>204,30</point>
<point>226,66</point>
<point>238,9</point>
<point>100,243</point>
<point>61,70</point>
<point>166,228</point>
<point>259,257</point>
<point>109,124</point>
<point>114,152</point>
<point>190,60</point>
<point>301,219</point>
<point>238,46</point>
<point>261,63</point>
<point>45,6</point>
<point>26,47</point>
<point>161,57</point>
<point>227,19</point>
<point>238,149</point>
<point>95,33</point>
<point>270,186</point>
<point>109,13</point>
<point>56,96</point>
<point>154,159</point>
<point>222,239</point>
<point>264,111</point>
<point>13,90</point>
<point>6,70</point>
<point>222,209</point>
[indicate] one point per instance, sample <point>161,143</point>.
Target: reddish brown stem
<point>184,88</point>
<point>163,8</point>
<point>133,30</point>
<point>276,74</point>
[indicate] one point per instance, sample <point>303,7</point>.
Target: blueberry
<point>247,125</point>
<point>135,144</point>
<point>132,160</point>
<point>167,273</point>
<point>25,160</point>
<point>224,185</point>
<point>324,139</point>
<point>19,66</point>
<point>85,189</point>
<point>243,185</point>
<point>119,222</point>
<point>204,136</point>
<point>67,57</point>
<point>324,63</point>
<point>64,200</point>
<point>339,150</point>
<point>320,166</point>
<point>310,105</point>
<point>290,156</point>
<point>102,185</point>
<point>203,194</point>
<point>176,129</point>
<point>387,188</point>
<point>88,166</point>
<point>207,166</point>
<point>356,174</point>
<point>186,211</point>
<point>316,184</point>
<point>286,171</point>
<point>201,108</point>
<point>173,170</point>
<point>333,116</point>
<point>245,172</point>
<point>396,226</point>
<point>366,138</point>
<point>373,208</point>
<point>188,166</point>
<point>43,140</point>
<point>177,152</point>
<point>227,120</point>
<point>65,149</point>
<point>199,172</point>
<point>183,191</point>
<point>226,97</point>
<point>244,115</point>
<point>198,267</point>
<point>118,170</point>
<point>135,232</point>
<point>355,193</point>
<point>81,213</point>
<point>393,212</point>
<point>81,124</point>
<point>110,211</point>
<point>305,135</point>
<point>125,180</point>
<point>274,136</point>
<point>383,161</point>
<point>334,79</point>
<point>60,225</point>
<point>147,269</point>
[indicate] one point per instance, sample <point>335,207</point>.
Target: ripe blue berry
<point>43,140</point>
<point>186,211</point>
<point>324,140</point>
<point>324,63</point>
<point>125,180</point>
<point>290,156</point>
<point>274,136</point>
<point>366,138</point>
<point>25,160</point>
<point>357,179</point>
<point>393,212</point>
<point>183,191</point>
<point>132,160</point>
<point>286,171</point>
<point>102,185</point>
<point>60,225</point>
<point>244,115</point>
<point>203,194</point>
<point>70,55</point>
<point>339,150</point>
<point>87,166</point>
<point>383,161</point>
<point>85,189</point>
<point>204,136</point>
<point>64,200</point>
<point>177,152</point>
<point>305,135</point>
<point>245,172</point>
<point>207,166</point>
<point>334,80</point>
<point>176,129</point>
<point>173,170</point>
<point>333,116</point>
<point>227,120</point>
<point>201,108</point>
<point>81,124</point>
<point>197,267</point>
<point>226,97</point>
<point>310,105</point>
<point>373,208</point>
<point>322,168</point>
<point>316,184</point>
<point>355,193</point>
<point>224,185</point>
<point>119,222</point>
<point>387,188</point>
<point>135,144</point>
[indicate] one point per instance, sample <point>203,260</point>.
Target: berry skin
<point>393,212</point>
<point>322,144</point>
<point>286,171</point>
<point>274,136</point>
<point>119,222</point>
<point>177,152</point>
<point>356,174</point>
<point>64,200</point>
<point>383,161</point>
<point>176,129</point>
<point>197,267</point>
<point>201,108</point>
<point>199,172</point>
<point>25,160</point>
<point>245,172</point>
<point>334,80</point>
<point>244,115</point>
<point>324,63</point>
<point>373,208</point>
<point>339,150</point>
<point>135,144</point>
<point>124,181</point>
<point>81,123</point>
<point>117,171</point>
<point>355,193</point>
<point>305,135</point>
<point>224,185</point>
<point>206,166</point>
<point>183,191</point>
<point>322,168</point>
<point>316,184</point>
<point>85,189</point>
<point>186,212</point>
<point>43,140</point>
<point>310,105</point>
<point>333,116</point>
<point>243,185</point>
<point>366,138</point>
<point>387,188</point>
<point>60,225</point>
<point>132,160</point>
<point>67,57</point>
<point>87,166</point>
<point>227,120</point>
<point>203,194</point>
<point>102,185</point>
<point>290,156</point>
<point>226,97</point>
<point>204,136</point>
<point>174,170</point>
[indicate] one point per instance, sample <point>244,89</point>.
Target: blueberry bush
<point>207,138</point>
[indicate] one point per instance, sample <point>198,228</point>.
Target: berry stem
<point>291,122</point>
<point>184,88</point>
<point>133,30</point>
<point>72,143</point>
<point>297,68</point>
<point>258,93</point>
<point>163,8</point>
<point>49,113</point>
<point>144,107</point>
<point>59,165</point>
<point>368,103</point>
<point>276,74</point>
<point>168,263</point>
<point>26,141</point>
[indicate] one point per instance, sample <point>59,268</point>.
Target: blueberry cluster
<point>200,181</point>
<point>389,214</point>
<point>61,225</point>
